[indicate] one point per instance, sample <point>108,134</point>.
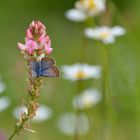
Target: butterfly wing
<point>33,67</point>
<point>48,67</point>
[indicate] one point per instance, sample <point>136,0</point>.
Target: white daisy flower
<point>91,7</point>
<point>81,72</point>
<point>2,87</point>
<point>43,113</point>
<point>84,9</point>
<point>86,99</point>
<point>4,103</point>
<point>68,123</point>
<point>105,34</point>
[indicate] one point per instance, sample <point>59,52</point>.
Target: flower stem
<point>76,135</point>
<point>79,89</point>
<point>34,86</point>
<point>11,137</point>
<point>107,98</point>
<point>80,85</point>
<point>105,93</point>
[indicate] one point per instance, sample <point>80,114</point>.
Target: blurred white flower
<point>68,123</point>
<point>43,113</point>
<point>81,72</point>
<point>4,103</point>
<point>75,15</point>
<point>2,87</point>
<point>84,9</point>
<point>86,99</point>
<point>105,34</point>
<point>91,7</point>
<point>18,111</point>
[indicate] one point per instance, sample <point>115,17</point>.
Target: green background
<point>66,36</point>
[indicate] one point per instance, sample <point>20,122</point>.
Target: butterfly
<point>44,68</point>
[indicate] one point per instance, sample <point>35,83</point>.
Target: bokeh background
<point>66,36</point>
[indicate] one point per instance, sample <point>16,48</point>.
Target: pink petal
<point>30,50</point>
<point>26,39</point>
<point>43,40</point>
<point>21,47</point>
<point>32,24</point>
<point>31,44</point>
<point>41,26</point>
<point>49,50</point>
<point>35,45</point>
<point>29,34</point>
<point>48,45</point>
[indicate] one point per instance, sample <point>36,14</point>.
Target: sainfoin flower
<point>81,72</point>
<point>84,9</point>
<point>105,34</point>
<point>4,103</point>
<point>43,113</point>
<point>37,42</point>
<point>86,99</point>
<point>66,123</point>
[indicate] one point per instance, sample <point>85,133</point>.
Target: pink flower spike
<point>48,50</point>
<point>36,40</point>
<point>21,47</point>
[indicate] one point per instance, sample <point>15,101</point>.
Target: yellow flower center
<point>104,35</point>
<point>87,104</point>
<point>80,75</point>
<point>91,4</point>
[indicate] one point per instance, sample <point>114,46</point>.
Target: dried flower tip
<point>30,130</point>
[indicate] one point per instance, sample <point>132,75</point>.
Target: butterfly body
<point>44,68</point>
<point>37,68</point>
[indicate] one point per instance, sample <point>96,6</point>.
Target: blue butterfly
<point>44,68</point>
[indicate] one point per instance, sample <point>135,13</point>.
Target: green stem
<point>107,97</point>
<point>105,76</point>
<point>84,50</point>
<point>76,135</point>
<point>31,105</point>
<point>80,85</point>
<point>88,23</point>
<point>79,89</point>
<point>12,136</point>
